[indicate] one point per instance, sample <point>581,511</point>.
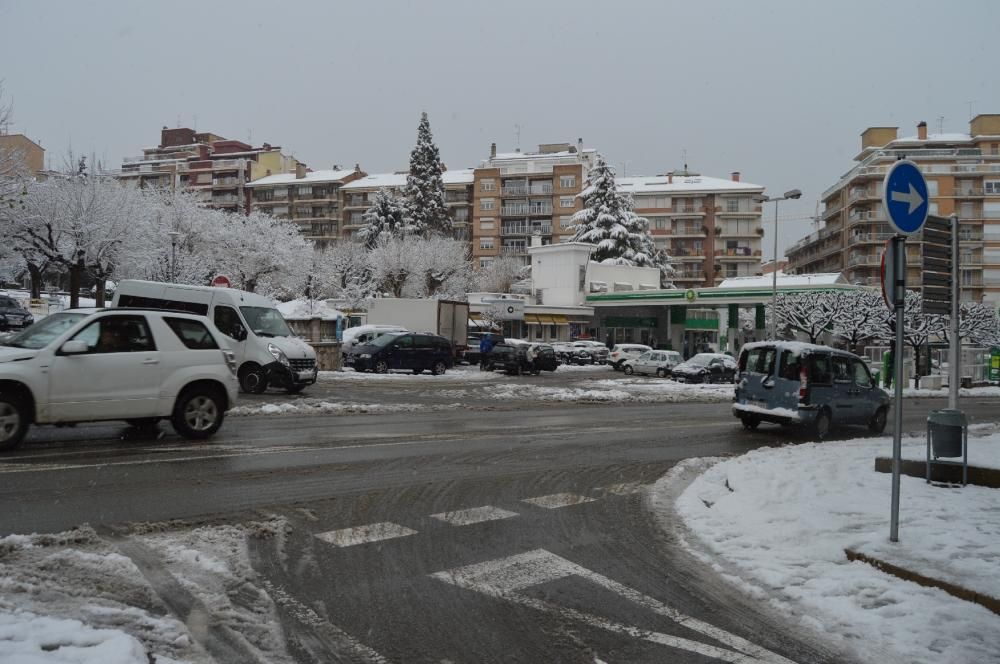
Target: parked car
<point>598,352</point>
<point>471,354</point>
<point>12,315</point>
<point>141,366</point>
<point>808,385</point>
<point>659,362</point>
<point>568,353</point>
<point>406,351</point>
<point>519,358</point>
<point>621,352</point>
<point>267,353</point>
<point>363,334</point>
<point>705,368</point>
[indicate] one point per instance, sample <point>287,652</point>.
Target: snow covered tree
<point>500,275</point>
<point>977,323</point>
<point>858,315</point>
<point>620,236</point>
<point>386,216</point>
<point>351,274</point>
<point>391,264</point>
<point>258,251</point>
<point>444,267</point>
<point>424,186</point>
<point>811,313</point>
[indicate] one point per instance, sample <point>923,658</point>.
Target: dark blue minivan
<point>406,351</point>
<point>788,382</point>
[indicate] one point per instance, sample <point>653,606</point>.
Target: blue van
<point>787,382</point>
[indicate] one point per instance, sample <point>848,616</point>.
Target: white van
<point>267,354</point>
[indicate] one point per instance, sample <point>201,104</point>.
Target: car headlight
<point>277,354</point>
<point>365,356</point>
<point>29,319</point>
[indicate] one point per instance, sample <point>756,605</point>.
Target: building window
<point>485,261</point>
<point>487,184</point>
<point>486,243</point>
<point>304,192</point>
<point>660,223</point>
<point>487,225</point>
<point>567,201</point>
<point>567,181</point>
<point>357,218</point>
<point>486,203</point>
<point>732,205</point>
<point>281,193</point>
<point>932,187</point>
<point>991,186</point>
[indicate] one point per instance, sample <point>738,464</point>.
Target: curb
<point>978,475</point>
<point>986,601</point>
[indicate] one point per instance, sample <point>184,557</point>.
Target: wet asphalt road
<point>522,533</point>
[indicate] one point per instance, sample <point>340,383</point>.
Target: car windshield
<point>42,333</point>
<point>383,340</point>
<point>266,322</point>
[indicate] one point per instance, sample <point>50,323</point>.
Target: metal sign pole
<point>899,301</point>
<point>955,347</point>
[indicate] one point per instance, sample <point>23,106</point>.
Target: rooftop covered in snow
<point>398,180</point>
<point>819,279</point>
<point>667,184</point>
<point>311,177</point>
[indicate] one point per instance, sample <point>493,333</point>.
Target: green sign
<point>702,324</point>
<point>690,295</point>
<point>995,364</point>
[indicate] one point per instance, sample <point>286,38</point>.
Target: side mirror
<point>240,332</point>
<point>74,347</point>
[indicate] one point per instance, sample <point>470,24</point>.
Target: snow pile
<point>463,373</point>
<point>510,392</point>
<point>780,519</point>
<point>653,389</point>
<point>31,638</point>
<point>303,309</point>
<point>70,597</point>
<point>989,391</point>
<point>321,407</point>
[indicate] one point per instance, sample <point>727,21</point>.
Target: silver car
<point>658,362</point>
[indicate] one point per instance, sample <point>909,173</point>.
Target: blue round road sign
<point>904,197</point>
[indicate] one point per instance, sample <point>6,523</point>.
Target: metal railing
<point>513,250</point>
<point>525,229</point>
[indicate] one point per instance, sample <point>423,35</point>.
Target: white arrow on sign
<point>913,198</point>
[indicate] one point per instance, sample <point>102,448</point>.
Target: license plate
<point>757,403</point>
<point>305,375</point>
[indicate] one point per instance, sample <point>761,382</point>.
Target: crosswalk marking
<point>474,515</point>
<point>373,532</point>
<point>623,489</point>
<point>557,500</point>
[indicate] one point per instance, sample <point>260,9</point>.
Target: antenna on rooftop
<point>517,137</point>
<point>970,103</point>
<point>684,158</point>
<point>941,120</point>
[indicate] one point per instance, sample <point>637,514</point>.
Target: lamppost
<point>794,193</point>
<point>173,254</point>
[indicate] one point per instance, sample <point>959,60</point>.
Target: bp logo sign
<point>690,295</point>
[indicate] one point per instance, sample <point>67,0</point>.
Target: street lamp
<point>794,193</point>
<point>173,254</point>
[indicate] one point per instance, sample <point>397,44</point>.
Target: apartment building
<point>217,168</point>
<point>23,152</point>
<point>309,198</point>
<point>711,227</point>
<point>963,177</point>
<point>519,195</point>
<point>357,197</point>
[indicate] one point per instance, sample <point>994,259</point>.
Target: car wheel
<point>143,422</point>
<point>439,368</point>
<point>628,370</point>
<point>878,421</point>
<point>198,412</point>
<point>13,422</point>
<point>417,372</point>
<point>661,373</point>
<point>821,425</point>
<point>252,379</point>
<point>750,423</point>
<point>381,367</point>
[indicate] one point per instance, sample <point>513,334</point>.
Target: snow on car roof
<point>797,347</point>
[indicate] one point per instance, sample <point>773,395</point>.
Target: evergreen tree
<point>607,221</point>
<point>386,217</point>
<point>424,186</point>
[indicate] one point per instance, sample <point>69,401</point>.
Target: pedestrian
<point>485,346</point>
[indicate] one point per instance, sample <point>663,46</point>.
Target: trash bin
<point>947,430</point>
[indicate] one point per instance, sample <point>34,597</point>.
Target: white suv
<point>622,352</point>
<point>140,366</point>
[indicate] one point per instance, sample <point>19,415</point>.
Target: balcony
<point>225,200</point>
<point>689,231</point>
<point>968,192</point>
<point>526,229</point>
<point>866,238</point>
<point>687,253</point>
<point>970,236</point>
<point>868,260</point>
<point>356,202</point>
<point>692,212</point>
<point>970,259</point>
<point>514,250</point>
<point>738,253</point>
<point>514,191</point>
<point>685,275</point>
<point>226,183</point>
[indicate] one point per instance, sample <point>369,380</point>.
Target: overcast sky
<point>777,90</point>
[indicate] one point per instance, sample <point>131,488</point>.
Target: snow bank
<point>31,638</point>
<point>509,392</point>
<point>988,391</point>
<point>463,373</point>
<point>658,389</point>
<point>780,519</point>
<point>321,407</point>
<point>303,309</point>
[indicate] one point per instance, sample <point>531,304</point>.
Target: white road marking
<point>557,500</point>
<point>623,489</point>
<point>474,515</point>
<point>373,532</point>
<point>505,578</point>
